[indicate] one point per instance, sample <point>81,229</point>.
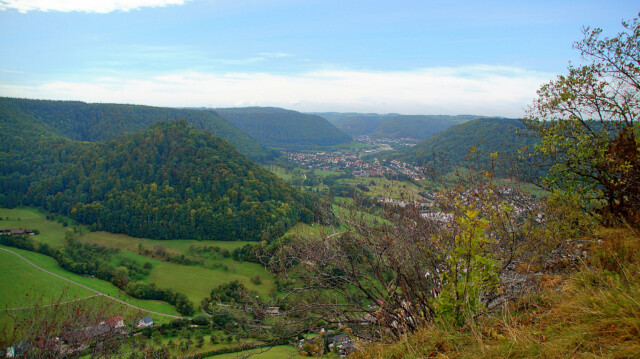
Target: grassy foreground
<point>592,313</point>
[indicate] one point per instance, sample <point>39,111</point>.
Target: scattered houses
<point>341,344</point>
<point>273,311</point>
<point>16,232</point>
<point>145,322</point>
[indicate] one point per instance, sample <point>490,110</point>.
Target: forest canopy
<point>96,122</point>
<point>285,129</point>
<point>170,181</point>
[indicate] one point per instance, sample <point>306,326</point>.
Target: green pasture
<point>51,232</point>
<point>197,282</point>
<point>124,242</point>
<point>208,346</point>
<point>281,172</point>
<point>102,286</point>
<point>350,146</point>
<point>277,352</point>
<point>349,214</point>
<point>308,230</point>
<point>397,190</point>
<point>321,173</point>
<point>23,284</point>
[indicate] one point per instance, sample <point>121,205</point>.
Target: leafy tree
<point>469,270</point>
<point>121,276</point>
<point>588,121</point>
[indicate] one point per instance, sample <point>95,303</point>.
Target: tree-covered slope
<point>99,122</point>
<point>393,125</point>
<point>501,136</point>
<point>169,181</point>
<point>355,124</point>
<point>284,129</point>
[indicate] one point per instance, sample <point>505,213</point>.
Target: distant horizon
<point>409,57</point>
<point>283,108</point>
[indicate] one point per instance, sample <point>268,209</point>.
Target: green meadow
<point>51,265</point>
<point>51,232</point>
<point>21,283</point>
<point>277,352</point>
<point>380,186</point>
<point>195,280</point>
<point>125,242</point>
<point>281,172</point>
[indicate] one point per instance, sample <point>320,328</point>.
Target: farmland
<point>206,271</point>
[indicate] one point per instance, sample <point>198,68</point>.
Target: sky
<point>402,56</point>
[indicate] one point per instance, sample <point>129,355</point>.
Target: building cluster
<point>327,161</point>
<point>429,208</point>
<point>340,344</point>
<point>74,341</point>
<point>386,144</point>
<point>341,162</point>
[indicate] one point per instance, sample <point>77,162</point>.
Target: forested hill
<point>393,125</point>
<point>285,129</point>
<point>99,122</point>
<point>501,136</point>
<point>170,181</point>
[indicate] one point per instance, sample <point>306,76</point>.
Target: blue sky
<point>429,57</point>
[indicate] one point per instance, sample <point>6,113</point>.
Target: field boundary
<point>98,293</point>
<point>48,305</point>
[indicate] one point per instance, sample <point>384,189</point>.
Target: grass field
<point>277,352</point>
<point>125,242</point>
<point>22,283</point>
<point>350,146</point>
<point>306,230</point>
<point>105,287</point>
<point>385,188</point>
<point>281,172</point>
<point>51,232</point>
<point>321,173</point>
<point>195,281</point>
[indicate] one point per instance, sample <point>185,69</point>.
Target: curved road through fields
<point>91,289</point>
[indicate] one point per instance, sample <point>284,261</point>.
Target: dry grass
<point>594,313</point>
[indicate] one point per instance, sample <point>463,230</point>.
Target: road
<point>98,293</point>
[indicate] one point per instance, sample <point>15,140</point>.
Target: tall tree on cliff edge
<point>588,121</point>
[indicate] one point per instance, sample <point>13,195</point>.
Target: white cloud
<point>275,54</point>
<point>480,89</point>
<point>89,6</point>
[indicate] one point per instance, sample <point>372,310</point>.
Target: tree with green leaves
<point>588,121</point>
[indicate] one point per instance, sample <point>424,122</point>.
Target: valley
<point>175,273</point>
<point>240,229</point>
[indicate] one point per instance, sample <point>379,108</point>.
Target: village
<point>385,143</point>
<point>355,163</point>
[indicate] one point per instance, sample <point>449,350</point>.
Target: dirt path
<point>49,305</point>
<point>90,289</point>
